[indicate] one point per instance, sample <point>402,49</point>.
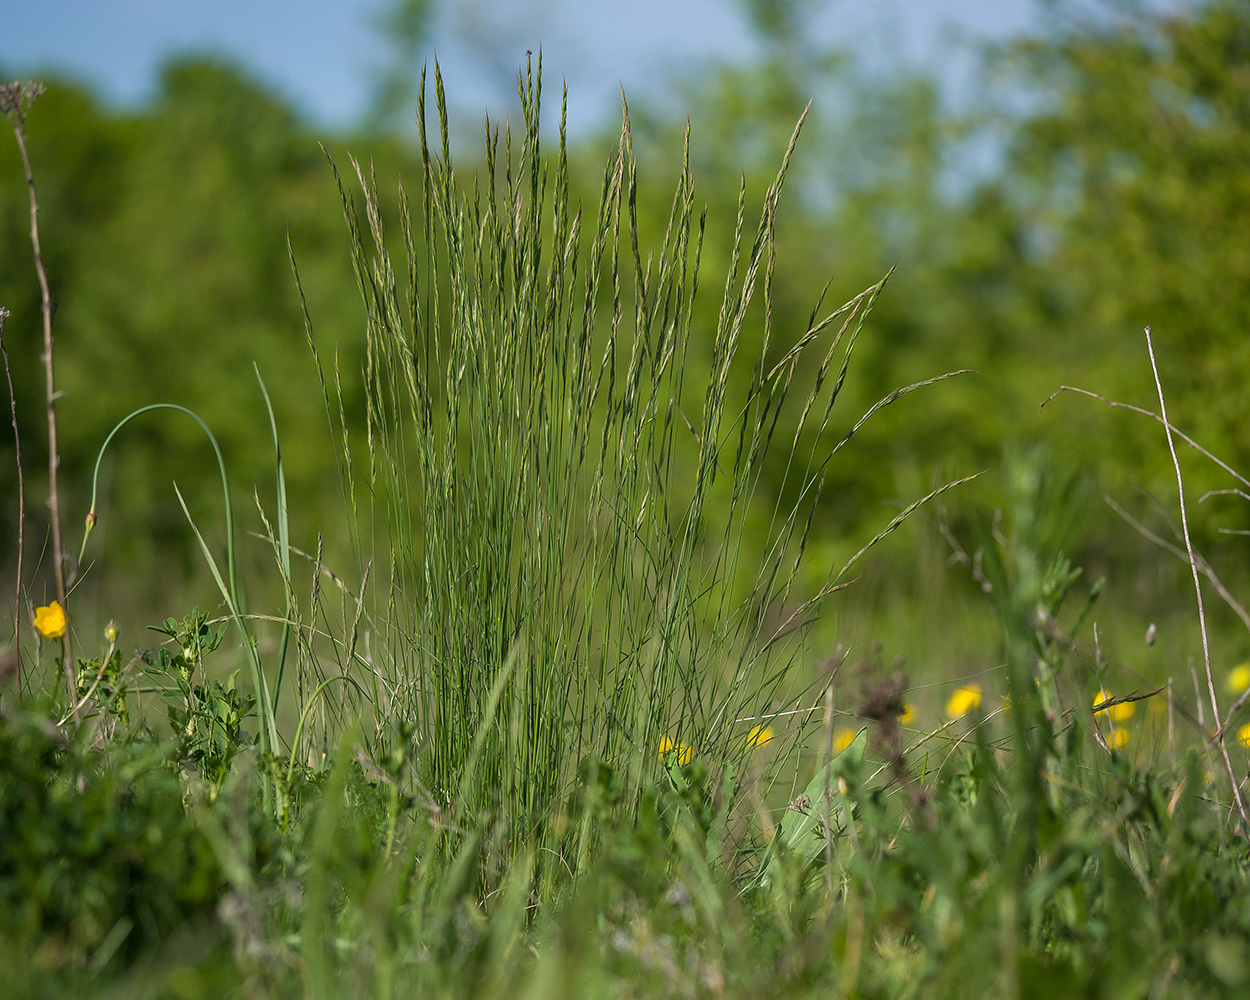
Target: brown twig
<point>1114,404</point>
<point>1127,699</point>
<point>1193,566</point>
<point>1204,567</point>
<point>1233,709</point>
<point>21,511</point>
<point>1068,643</point>
<point>15,101</point>
<point>1222,493</point>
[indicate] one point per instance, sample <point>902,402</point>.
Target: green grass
<point>514,750</point>
<point>554,498</point>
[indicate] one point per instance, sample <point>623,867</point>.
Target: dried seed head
<point>17,97</point>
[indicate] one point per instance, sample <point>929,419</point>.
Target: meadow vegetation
<point>619,605</point>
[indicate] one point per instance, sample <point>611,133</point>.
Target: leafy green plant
<point>192,635</point>
<point>100,861</point>
<point>206,717</point>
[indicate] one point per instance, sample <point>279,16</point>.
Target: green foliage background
<point>1115,196</point>
<point>1098,186</point>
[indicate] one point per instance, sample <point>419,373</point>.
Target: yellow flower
<point>1238,679</point>
<point>50,621</point>
<point>842,739</point>
<point>1119,739</point>
<point>1243,735</point>
<point>1117,713</point>
<point>683,752</point>
<point>963,701</point>
<point>906,716</point>
<point>759,735</point>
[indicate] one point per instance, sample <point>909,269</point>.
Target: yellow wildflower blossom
<point>1238,679</point>
<point>759,735</point>
<point>1243,735</point>
<point>1117,713</point>
<point>1119,739</point>
<point>963,701</point>
<point>683,752</point>
<point>907,715</point>
<point>842,739</point>
<point>50,621</point>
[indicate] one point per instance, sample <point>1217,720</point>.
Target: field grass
<point>574,720</point>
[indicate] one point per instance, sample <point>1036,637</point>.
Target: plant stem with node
<point>15,101</point>
<point>1193,566</point>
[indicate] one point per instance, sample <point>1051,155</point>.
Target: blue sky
<point>322,55</point>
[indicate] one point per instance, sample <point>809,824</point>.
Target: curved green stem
<point>284,541</point>
<point>229,587</point>
<point>221,465</point>
<point>303,718</point>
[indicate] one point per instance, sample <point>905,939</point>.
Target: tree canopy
<point>1117,197</point>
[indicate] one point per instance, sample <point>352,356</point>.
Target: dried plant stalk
<point>1193,566</point>
<point>21,512</point>
<point>15,101</point>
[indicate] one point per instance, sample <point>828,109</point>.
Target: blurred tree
<point>779,21</point>
<point>1132,171</point>
<point>165,234</point>
<point>1111,194</point>
<point>1116,196</point>
<point>78,154</point>
<point>187,285</point>
<point>404,26</point>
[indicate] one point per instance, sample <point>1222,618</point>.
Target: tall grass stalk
<point>562,546</point>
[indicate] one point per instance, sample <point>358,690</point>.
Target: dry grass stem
<point>1114,404</point>
<point>1204,567</point>
<point>15,101</point>
<point>1193,566</point>
<point>21,510</point>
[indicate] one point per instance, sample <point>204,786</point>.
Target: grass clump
<point>559,480</point>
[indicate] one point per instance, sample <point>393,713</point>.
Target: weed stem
<point>16,100</point>
<point>1193,566</point>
